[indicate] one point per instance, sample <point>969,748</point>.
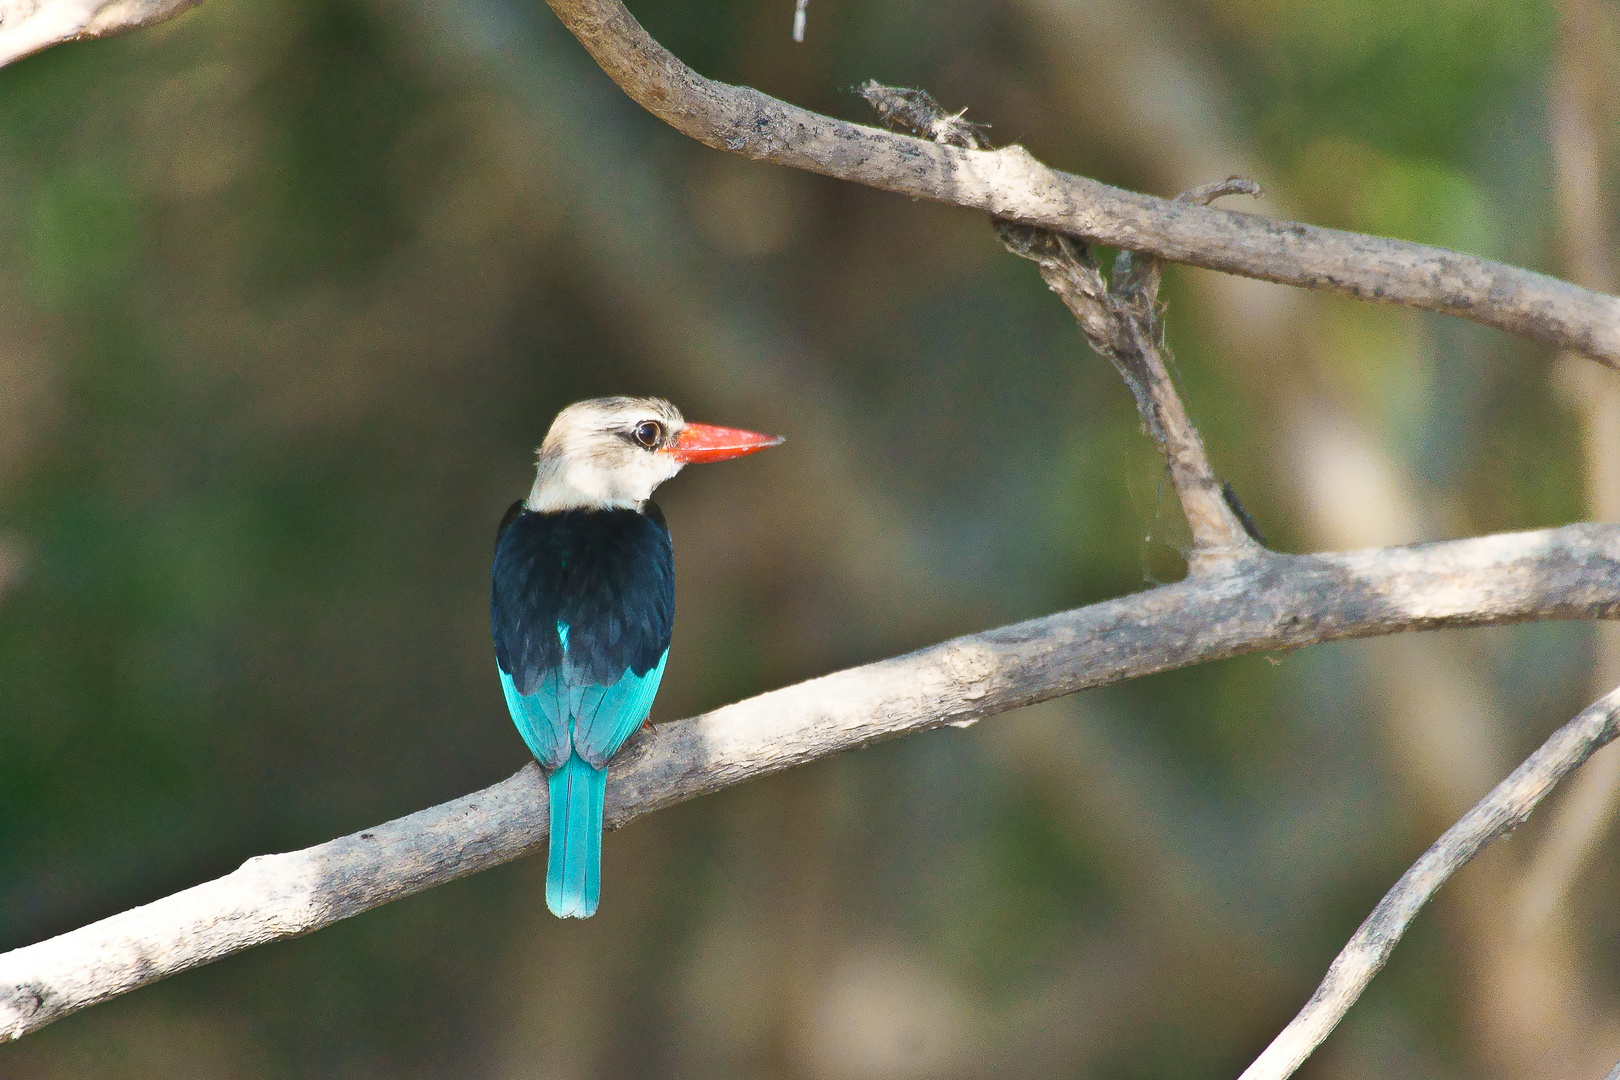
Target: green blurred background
<point>289,292</point>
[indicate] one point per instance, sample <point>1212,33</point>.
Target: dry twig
<point>1122,321</point>
<point>1506,808</point>
<point>1241,597</point>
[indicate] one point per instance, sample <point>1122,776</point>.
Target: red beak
<point>704,442</point>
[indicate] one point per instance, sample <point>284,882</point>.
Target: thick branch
<point>1011,184</point>
<point>1271,602</point>
<point>27,26</point>
<point>1506,808</point>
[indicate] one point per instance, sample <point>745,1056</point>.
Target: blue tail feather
<point>574,872</point>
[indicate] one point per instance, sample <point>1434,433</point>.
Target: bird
<point>582,604</point>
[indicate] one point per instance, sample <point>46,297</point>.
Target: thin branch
<point>1506,808</point>
<point>1009,183</point>
<point>1221,527</point>
<point>1123,321</point>
<point>28,26</point>
<point>1581,142</point>
<point>1270,602</point>
<point>1263,601</point>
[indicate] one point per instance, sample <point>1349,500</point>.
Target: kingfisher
<point>582,602</point>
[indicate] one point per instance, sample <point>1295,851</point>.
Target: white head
<point>610,453</point>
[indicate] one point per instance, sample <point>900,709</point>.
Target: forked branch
<point>1260,600</point>
<point>1006,183</point>
<point>1122,320</point>
<point>1009,183</point>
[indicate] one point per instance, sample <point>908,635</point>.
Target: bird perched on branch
<point>582,600</point>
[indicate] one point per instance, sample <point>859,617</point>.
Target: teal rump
<point>582,603</point>
<point>583,727</point>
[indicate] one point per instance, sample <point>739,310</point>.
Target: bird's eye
<point>649,433</point>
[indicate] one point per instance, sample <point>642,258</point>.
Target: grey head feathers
<point>605,453</point>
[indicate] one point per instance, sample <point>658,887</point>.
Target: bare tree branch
<point>28,26</point>
<point>1240,599</point>
<point>1122,320</point>
<point>1506,808</point>
<point>1269,602</point>
<point>1010,183</point>
<point>1581,142</point>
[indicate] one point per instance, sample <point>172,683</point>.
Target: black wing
<point>608,576</point>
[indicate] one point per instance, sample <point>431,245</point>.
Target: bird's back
<point>581,606</point>
<point>607,575</point>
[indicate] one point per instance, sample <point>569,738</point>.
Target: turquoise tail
<point>574,874</point>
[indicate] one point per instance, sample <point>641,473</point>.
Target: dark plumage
<point>607,575</point>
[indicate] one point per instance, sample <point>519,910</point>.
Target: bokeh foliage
<point>290,292</point>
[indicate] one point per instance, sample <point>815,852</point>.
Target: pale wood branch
<point>1270,602</point>
<point>1009,183</point>
<point>1122,320</point>
<point>1232,604</point>
<point>1506,808</point>
<point>28,26</point>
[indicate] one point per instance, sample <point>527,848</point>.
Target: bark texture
<point>27,26</point>
<point>1269,602</point>
<point>1010,183</point>
<point>1506,808</point>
